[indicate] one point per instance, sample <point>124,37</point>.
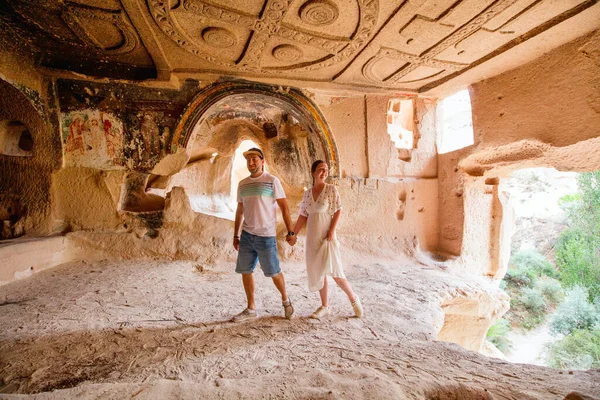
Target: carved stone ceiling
<point>411,46</point>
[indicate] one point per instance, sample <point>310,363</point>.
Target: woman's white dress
<point>322,256</point>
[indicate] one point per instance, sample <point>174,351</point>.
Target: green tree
<point>578,248</point>
<point>579,350</point>
<point>575,312</point>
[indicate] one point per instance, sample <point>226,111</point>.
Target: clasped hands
<point>292,239</point>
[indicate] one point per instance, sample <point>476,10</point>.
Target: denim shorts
<point>257,248</point>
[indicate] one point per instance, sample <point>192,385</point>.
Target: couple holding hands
<point>258,197</point>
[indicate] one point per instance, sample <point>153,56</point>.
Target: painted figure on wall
<point>114,139</point>
<point>148,136</point>
<point>74,143</point>
<point>97,138</point>
<point>92,139</point>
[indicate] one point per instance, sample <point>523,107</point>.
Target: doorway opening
<point>553,272</point>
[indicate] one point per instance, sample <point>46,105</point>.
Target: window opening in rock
<point>400,123</point>
<point>455,122</point>
<point>15,139</point>
<point>553,275</point>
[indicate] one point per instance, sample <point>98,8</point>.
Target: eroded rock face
<point>28,156</point>
<point>134,156</point>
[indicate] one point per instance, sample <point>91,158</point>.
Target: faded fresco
<point>149,135</point>
<point>92,138</point>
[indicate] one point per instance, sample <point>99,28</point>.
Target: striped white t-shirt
<point>258,196</point>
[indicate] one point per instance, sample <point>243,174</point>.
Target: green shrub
<point>579,350</point>
<point>578,248</point>
<point>568,201</point>
<point>519,276</point>
<point>551,290</point>
<point>577,260</point>
<point>533,301</point>
<point>526,266</point>
<point>535,306</point>
<point>497,334</point>
<point>575,312</point>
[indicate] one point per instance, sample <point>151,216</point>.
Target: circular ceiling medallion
<point>287,53</point>
<point>318,12</point>
<point>218,37</point>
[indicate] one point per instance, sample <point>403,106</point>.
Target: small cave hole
<point>26,141</point>
<point>15,139</point>
<point>270,130</point>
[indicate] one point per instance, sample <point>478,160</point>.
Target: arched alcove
<point>273,110</point>
<point>217,127</point>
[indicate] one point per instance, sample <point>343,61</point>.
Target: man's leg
<point>266,248</point>
<point>245,265</point>
<point>279,282</point>
<point>248,280</point>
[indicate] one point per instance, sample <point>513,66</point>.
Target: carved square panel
<point>399,45</point>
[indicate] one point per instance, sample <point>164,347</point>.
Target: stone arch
<point>297,104</point>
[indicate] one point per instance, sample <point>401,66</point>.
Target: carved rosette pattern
<point>270,25</point>
<point>73,15</point>
<point>318,12</point>
<point>368,11</point>
<point>218,37</point>
<point>287,53</point>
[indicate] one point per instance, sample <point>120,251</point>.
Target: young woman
<point>320,210</point>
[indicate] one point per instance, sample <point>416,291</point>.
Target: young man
<point>258,196</point>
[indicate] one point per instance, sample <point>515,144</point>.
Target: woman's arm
<point>300,224</point>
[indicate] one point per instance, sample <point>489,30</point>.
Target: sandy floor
<point>149,330</point>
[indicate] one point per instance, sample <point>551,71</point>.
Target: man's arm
<point>285,211</point>
<point>239,216</point>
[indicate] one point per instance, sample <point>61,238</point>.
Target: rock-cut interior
<point>122,128</point>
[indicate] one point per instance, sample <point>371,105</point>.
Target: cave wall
<point>376,182</point>
<point>105,141</point>
<point>26,99</point>
<point>387,201</point>
<point>545,113</point>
